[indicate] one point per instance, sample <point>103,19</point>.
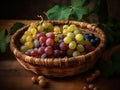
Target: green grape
<point>70,35</point>
<point>45,25</point>
<point>23,39</point>
<point>64,32</point>
<point>72,45</point>
<point>23,48</point>
<point>77,31</point>
<point>29,38</point>
<point>34,25</point>
<point>56,38</point>
<point>50,27</point>
<point>29,44</point>
<point>76,53</point>
<point>40,28</point>
<point>84,42</point>
<point>79,37</point>
<point>80,48</point>
<point>72,27</point>
<point>33,30</point>
<point>69,52</point>
<point>27,33</point>
<point>67,40</point>
<point>65,26</point>
<point>57,29</point>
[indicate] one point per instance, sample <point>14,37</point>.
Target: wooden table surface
<point>14,77</point>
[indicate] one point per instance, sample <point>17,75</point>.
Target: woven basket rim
<point>58,61</point>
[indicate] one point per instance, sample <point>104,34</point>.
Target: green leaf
<point>15,27</point>
<point>78,3</point>
<point>79,12</point>
<point>4,41</point>
<point>59,12</point>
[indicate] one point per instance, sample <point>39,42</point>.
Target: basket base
<point>56,72</point>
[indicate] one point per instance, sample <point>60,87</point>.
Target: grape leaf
<point>4,41</point>
<point>15,27</point>
<point>59,12</point>
<point>77,3</point>
<point>79,12</point>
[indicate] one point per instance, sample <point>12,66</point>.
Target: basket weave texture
<point>59,67</point>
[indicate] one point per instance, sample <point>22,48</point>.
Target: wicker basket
<point>59,67</point>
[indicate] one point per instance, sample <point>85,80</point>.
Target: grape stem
<point>41,21</point>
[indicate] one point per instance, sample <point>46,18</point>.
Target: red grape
<point>56,53</point>
<point>43,39</point>
<point>41,50</point>
<point>50,35</point>
<point>49,50</point>
<point>63,46</point>
<point>50,42</point>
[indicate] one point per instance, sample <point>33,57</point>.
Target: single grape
<point>69,52</point>
<point>40,28</point>
<point>65,26</point>
<point>72,45</point>
<point>23,39</point>
<point>56,53</point>
<point>57,29</point>
<point>27,33</point>
<point>80,48</point>
<point>72,27</point>
<point>33,30</point>
<point>36,43</point>
<point>70,35</point>
<point>41,50</point>
<point>49,42</point>
<point>49,50</point>
<point>44,55</point>
<point>77,31</point>
<point>63,46</point>
<point>29,38</point>
<point>29,45</point>
<point>76,53</point>
<point>67,40</point>
<point>91,36</point>
<point>50,35</point>
<point>24,48</point>
<point>40,35</point>
<point>43,39</point>
<point>79,37</point>
<point>34,53</point>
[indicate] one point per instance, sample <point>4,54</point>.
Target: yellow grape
<point>79,37</point>
<point>72,45</point>
<point>57,29</point>
<point>70,35</point>
<point>29,38</point>
<point>27,33</point>
<point>23,39</point>
<point>29,44</point>
<point>65,26</point>
<point>80,48</point>
<point>23,48</point>
<point>72,27</point>
<point>34,25</point>
<point>76,53</point>
<point>77,31</point>
<point>67,40</point>
<point>40,28</point>
<point>33,30</point>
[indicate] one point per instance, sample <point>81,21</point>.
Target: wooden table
<point>14,77</point>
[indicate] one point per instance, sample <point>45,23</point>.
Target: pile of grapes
<point>45,40</point>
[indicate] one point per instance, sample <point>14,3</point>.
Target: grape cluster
<point>44,40</point>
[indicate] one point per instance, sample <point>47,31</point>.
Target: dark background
<point>29,9</point>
